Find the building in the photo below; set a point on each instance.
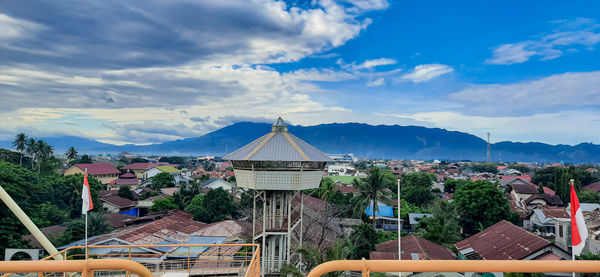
(543, 220)
(413, 248)
(341, 170)
(105, 173)
(278, 166)
(413, 220)
(521, 192)
(127, 179)
(505, 241)
(214, 183)
(116, 204)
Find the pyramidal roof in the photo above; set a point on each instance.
(278, 145)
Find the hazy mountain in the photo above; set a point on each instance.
(382, 141)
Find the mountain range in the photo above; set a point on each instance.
(381, 142)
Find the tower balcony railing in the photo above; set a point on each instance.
(463, 266)
(157, 259)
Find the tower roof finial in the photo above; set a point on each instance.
(279, 126)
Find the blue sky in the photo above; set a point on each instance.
(153, 71)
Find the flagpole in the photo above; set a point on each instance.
(86, 229)
(399, 229)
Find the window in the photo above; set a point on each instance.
(560, 231)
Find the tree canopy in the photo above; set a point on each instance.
(216, 205)
(162, 180)
(480, 205)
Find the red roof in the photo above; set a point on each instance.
(411, 244)
(179, 221)
(500, 167)
(524, 177)
(118, 201)
(128, 182)
(345, 189)
(145, 166)
(595, 186)
(119, 220)
(98, 169)
(503, 241)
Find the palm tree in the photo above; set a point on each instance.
(372, 190)
(71, 153)
(43, 152)
(31, 149)
(326, 189)
(20, 144)
(313, 257)
(97, 224)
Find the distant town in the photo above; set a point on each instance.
(448, 209)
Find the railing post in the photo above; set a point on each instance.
(188, 260)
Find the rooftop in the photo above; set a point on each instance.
(98, 169)
(278, 145)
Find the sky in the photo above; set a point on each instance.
(152, 71)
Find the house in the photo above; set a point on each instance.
(537, 200)
(509, 172)
(105, 173)
(148, 174)
(116, 204)
(413, 220)
(127, 179)
(542, 220)
(50, 232)
(139, 168)
(595, 187)
(214, 183)
(385, 219)
(522, 191)
(341, 170)
(413, 248)
(505, 241)
(347, 189)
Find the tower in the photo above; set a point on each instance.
(488, 148)
(278, 166)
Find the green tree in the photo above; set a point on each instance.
(97, 224)
(67, 193)
(31, 149)
(162, 180)
(443, 227)
(450, 185)
(47, 214)
(71, 153)
(165, 204)
(540, 188)
(216, 205)
(372, 190)
(326, 189)
(315, 256)
(125, 192)
(138, 160)
(362, 241)
(484, 167)
(416, 188)
(480, 204)
(20, 143)
(586, 196)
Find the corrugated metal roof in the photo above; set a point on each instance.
(278, 145)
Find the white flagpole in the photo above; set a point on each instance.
(571, 182)
(86, 231)
(399, 229)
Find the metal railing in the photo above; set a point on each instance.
(194, 259)
(368, 266)
(86, 267)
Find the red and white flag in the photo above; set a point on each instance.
(579, 231)
(86, 196)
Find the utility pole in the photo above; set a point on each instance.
(399, 229)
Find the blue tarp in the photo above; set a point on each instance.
(132, 212)
(382, 211)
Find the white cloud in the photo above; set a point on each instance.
(579, 32)
(14, 28)
(554, 93)
(426, 72)
(376, 82)
(377, 62)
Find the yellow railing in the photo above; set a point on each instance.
(86, 267)
(367, 266)
(191, 258)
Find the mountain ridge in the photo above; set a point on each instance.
(364, 140)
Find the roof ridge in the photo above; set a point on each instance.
(247, 145)
(261, 145)
(296, 147)
(309, 145)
